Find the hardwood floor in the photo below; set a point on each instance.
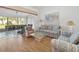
(13, 42)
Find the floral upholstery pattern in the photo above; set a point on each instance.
(63, 46)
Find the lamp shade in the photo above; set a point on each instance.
(70, 23)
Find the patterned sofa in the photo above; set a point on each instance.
(50, 30)
(64, 44)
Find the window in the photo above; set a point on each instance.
(11, 21)
(2, 25)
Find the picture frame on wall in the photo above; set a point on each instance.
(52, 18)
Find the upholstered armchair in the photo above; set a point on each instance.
(29, 30)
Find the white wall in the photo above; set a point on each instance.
(33, 20)
(66, 13)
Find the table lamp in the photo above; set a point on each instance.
(71, 24)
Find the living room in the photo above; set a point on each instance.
(64, 21)
(39, 28)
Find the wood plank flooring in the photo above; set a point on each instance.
(12, 42)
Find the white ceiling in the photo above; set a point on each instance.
(7, 12)
(38, 7)
(31, 7)
(35, 8)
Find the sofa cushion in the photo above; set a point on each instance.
(74, 37)
(67, 34)
(63, 38)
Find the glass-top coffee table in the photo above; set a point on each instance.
(38, 35)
